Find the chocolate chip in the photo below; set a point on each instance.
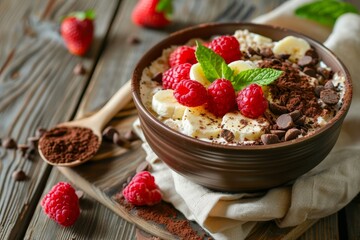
(79, 69)
(284, 121)
(227, 135)
(131, 136)
(329, 85)
(23, 148)
(295, 115)
(0, 142)
(9, 143)
(29, 156)
(121, 141)
(318, 89)
(133, 40)
(324, 72)
(305, 61)
(109, 133)
(33, 142)
(277, 109)
(269, 139)
(40, 132)
(157, 78)
(284, 56)
(19, 175)
(310, 72)
(300, 121)
(329, 97)
(143, 166)
(279, 133)
(79, 194)
(252, 51)
(292, 134)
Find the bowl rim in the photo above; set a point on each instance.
(138, 70)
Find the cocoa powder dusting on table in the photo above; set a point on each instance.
(164, 214)
(68, 144)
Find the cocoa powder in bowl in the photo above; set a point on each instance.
(68, 144)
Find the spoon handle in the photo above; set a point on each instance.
(113, 106)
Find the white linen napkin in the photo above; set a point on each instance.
(322, 191)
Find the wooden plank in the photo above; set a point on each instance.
(352, 219)
(37, 88)
(95, 221)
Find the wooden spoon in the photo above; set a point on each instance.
(96, 122)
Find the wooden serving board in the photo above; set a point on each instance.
(104, 178)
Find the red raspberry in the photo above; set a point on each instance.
(174, 75)
(221, 98)
(62, 204)
(182, 54)
(251, 101)
(142, 190)
(227, 47)
(190, 93)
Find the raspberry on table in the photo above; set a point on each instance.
(61, 204)
(182, 54)
(142, 190)
(174, 75)
(221, 97)
(251, 101)
(190, 93)
(227, 47)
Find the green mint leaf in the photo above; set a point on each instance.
(89, 14)
(260, 76)
(325, 12)
(165, 6)
(213, 65)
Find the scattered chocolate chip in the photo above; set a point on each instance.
(23, 148)
(292, 134)
(269, 139)
(279, 133)
(79, 69)
(277, 109)
(33, 142)
(131, 136)
(329, 85)
(109, 133)
(79, 194)
(121, 141)
(40, 132)
(295, 115)
(133, 40)
(284, 121)
(318, 89)
(324, 72)
(329, 96)
(0, 142)
(227, 135)
(312, 53)
(252, 51)
(143, 166)
(19, 175)
(284, 56)
(300, 121)
(157, 78)
(9, 143)
(310, 72)
(305, 61)
(29, 156)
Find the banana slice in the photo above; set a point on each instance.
(260, 39)
(240, 65)
(165, 104)
(197, 122)
(294, 46)
(197, 74)
(243, 128)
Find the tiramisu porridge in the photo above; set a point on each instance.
(244, 89)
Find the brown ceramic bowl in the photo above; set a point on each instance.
(237, 168)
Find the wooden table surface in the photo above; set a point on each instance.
(39, 89)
